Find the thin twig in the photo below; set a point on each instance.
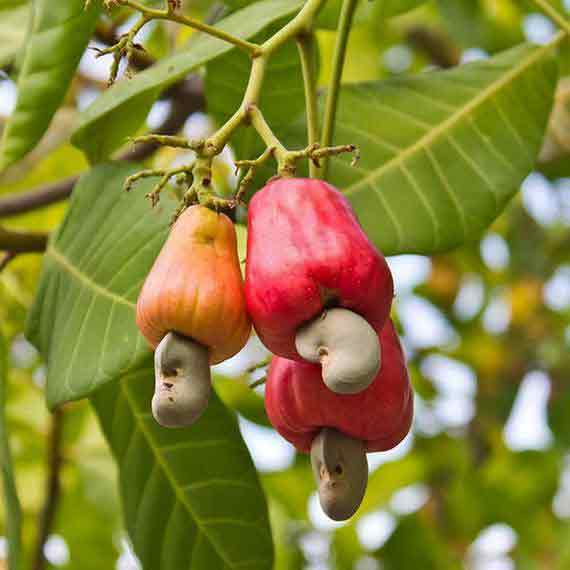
(13, 205)
(53, 487)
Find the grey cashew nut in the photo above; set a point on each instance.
(340, 469)
(182, 381)
(347, 347)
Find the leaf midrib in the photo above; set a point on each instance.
(462, 113)
(179, 493)
(84, 279)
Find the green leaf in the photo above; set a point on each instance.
(11, 501)
(443, 152)
(60, 32)
(390, 477)
(389, 8)
(82, 321)
(12, 3)
(119, 111)
(12, 32)
(236, 394)
(416, 544)
(481, 24)
(83, 317)
(330, 12)
(292, 488)
(288, 552)
(191, 497)
(346, 547)
(239, 3)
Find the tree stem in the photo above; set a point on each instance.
(22, 242)
(301, 24)
(53, 488)
(345, 24)
(306, 47)
(269, 138)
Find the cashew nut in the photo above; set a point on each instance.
(182, 381)
(340, 469)
(347, 347)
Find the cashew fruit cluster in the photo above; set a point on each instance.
(319, 295)
(192, 311)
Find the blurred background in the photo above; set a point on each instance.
(483, 480)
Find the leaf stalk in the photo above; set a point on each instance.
(344, 27)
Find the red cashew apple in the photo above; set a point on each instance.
(307, 254)
(338, 429)
(192, 310)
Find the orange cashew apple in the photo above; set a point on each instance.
(192, 311)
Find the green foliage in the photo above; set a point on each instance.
(389, 8)
(292, 488)
(443, 153)
(59, 35)
(82, 267)
(476, 23)
(12, 33)
(236, 394)
(414, 545)
(122, 109)
(427, 132)
(96, 261)
(329, 14)
(191, 497)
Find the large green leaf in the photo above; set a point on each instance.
(390, 477)
(415, 544)
(292, 488)
(481, 24)
(288, 552)
(444, 152)
(346, 547)
(388, 8)
(60, 32)
(202, 480)
(119, 111)
(233, 4)
(11, 501)
(12, 32)
(83, 318)
(191, 497)
(329, 15)
(236, 394)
